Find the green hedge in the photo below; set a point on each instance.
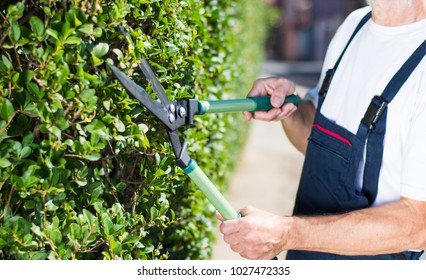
(85, 171)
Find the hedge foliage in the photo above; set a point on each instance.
(85, 171)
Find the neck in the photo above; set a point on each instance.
(398, 12)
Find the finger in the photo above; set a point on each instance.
(270, 115)
(258, 88)
(232, 239)
(286, 111)
(229, 227)
(237, 248)
(278, 89)
(247, 115)
(219, 217)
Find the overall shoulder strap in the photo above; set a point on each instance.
(379, 103)
(404, 73)
(358, 28)
(330, 73)
(373, 125)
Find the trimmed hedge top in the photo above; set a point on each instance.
(85, 171)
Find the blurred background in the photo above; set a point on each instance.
(300, 33)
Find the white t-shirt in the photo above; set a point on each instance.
(374, 56)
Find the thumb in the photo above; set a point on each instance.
(277, 101)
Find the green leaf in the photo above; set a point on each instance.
(39, 256)
(86, 28)
(25, 152)
(130, 239)
(50, 206)
(89, 216)
(92, 156)
(96, 189)
(28, 139)
(121, 186)
(73, 40)
(37, 26)
(3, 243)
(159, 173)
(6, 62)
(63, 73)
(31, 180)
(15, 31)
(94, 139)
(119, 125)
(4, 163)
(117, 228)
(37, 231)
(53, 33)
(55, 131)
(98, 207)
(88, 95)
(154, 213)
(56, 236)
(97, 32)
(96, 61)
(7, 110)
(75, 231)
(100, 50)
(34, 90)
(108, 225)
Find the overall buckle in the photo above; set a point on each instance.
(326, 82)
(374, 111)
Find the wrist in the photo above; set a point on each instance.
(291, 233)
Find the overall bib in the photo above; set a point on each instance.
(333, 156)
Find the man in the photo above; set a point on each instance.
(362, 193)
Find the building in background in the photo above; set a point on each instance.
(305, 27)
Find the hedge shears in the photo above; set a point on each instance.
(180, 113)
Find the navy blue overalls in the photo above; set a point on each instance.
(333, 156)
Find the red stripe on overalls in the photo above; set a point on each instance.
(332, 134)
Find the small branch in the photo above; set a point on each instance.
(9, 198)
(8, 122)
(134, 202)
(132, 182)
(52, 246)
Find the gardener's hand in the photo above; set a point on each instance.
(278, 89)
(257, 235)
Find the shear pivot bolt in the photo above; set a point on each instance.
(182, 112)
(172, 118)
(172, 108)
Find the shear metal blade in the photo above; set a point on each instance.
(140, 94)
(149, 74)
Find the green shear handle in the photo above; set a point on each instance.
(251, 104)
(210, 191)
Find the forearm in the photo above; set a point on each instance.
(390, 228)
(298, 126)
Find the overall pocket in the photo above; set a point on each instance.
(330, 156)
(326, 186)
